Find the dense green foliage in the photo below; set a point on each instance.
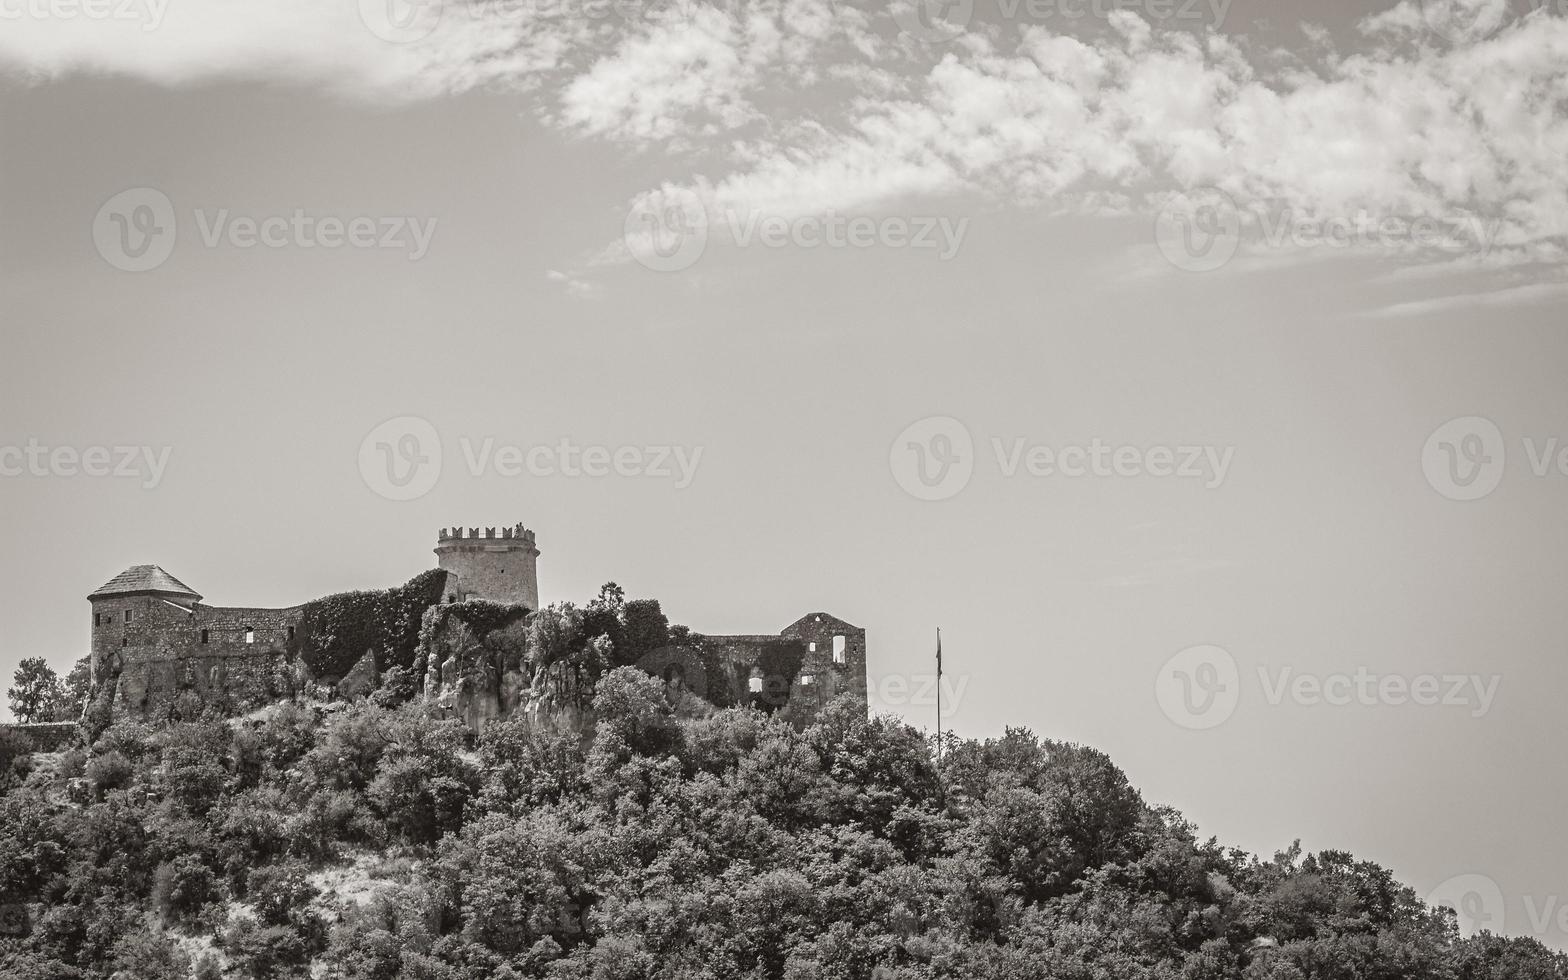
(655, 846)
(335, 632)
(483, 621)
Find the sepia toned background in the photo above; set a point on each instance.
(1061, 152)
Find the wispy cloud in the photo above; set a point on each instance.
(1537, 292)
(797, 107)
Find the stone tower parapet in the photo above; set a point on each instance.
(498, 564)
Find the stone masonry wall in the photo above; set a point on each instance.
(229, 656)
(835, 662)
(831, 654)
(47, 736)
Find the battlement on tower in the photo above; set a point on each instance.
(457, 535)
(498, 564)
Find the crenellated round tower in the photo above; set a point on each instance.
(498, 566)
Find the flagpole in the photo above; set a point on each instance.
(939, 694)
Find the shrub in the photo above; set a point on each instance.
(111, 770)
(266, 952)
(181, 888)
(147, 955)
(281, 893)
(72, 764)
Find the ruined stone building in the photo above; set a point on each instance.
(155, 642)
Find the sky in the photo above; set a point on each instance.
(1196, 368)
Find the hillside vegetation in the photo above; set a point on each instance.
(375, 841)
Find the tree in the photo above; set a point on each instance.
(36, 691)
(602, 617)
(74, 691)
(555, 633)
(646, 630)
(611, 595)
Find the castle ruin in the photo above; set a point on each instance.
(158, 644)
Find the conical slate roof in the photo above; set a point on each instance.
(145, 578)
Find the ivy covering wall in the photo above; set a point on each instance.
(337, 630)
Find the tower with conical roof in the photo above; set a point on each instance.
(128, 605)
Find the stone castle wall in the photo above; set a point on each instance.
(835, 662)
(831, 655)
(234, 656)
(46, 736)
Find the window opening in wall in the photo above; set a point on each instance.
(250, 635)
(839, 644)
(204, 637)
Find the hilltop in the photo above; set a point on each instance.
(375, 841)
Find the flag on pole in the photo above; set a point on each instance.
(939, 695)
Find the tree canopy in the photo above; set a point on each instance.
(376, 842)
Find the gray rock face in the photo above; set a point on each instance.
(478, 679)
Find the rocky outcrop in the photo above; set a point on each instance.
(476, 664)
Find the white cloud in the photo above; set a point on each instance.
(802, 106)
(680, 75)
